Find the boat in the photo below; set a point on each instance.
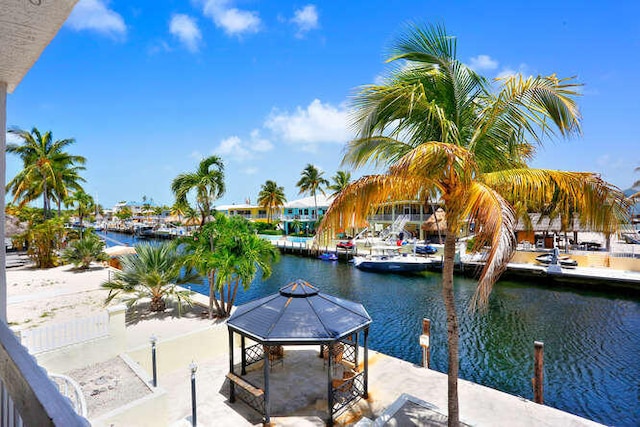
(564, 261)
(328, 256)
(392, 263)
(425, 250)
(144, 231)
(345, 245)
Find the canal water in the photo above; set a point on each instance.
(591, 339)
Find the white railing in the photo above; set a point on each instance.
(9, 416)
(62, 334)
(70, 389)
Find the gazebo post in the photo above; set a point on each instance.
(243, 355)
(356, 350)
(267, 401)
(329, 387)
(366, 363)
(232, 394)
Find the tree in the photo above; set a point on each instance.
(207, 182)
(636, 185)
(124, 213)
(43, 239)
(311, 181)
(84, 204)
(296, 224)
(271, 197)
(438, 126)
(229, 254)
(340, 181)
(47, 171)
(81, 253)
(155, 272)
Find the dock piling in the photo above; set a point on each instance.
(538, 372)
(424, 342)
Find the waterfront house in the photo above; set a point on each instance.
(251, 212)
(303, 211)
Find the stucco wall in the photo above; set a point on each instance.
(595, 259)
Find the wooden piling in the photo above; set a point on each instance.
(424, 341)
(538, 372)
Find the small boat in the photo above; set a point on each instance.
(144, 232)
(425, 250)
(395, 263)
(328, 256)
(345, 245)
(564, 261)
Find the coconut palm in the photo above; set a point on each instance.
(81, 253)
(438, 126)
(207, 182)
(340, 181)
(271, 197)
(47, 169)
(83, 202)
(155, 272)
(229, 254)
(311, 181)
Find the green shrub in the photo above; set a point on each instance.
(81, 253)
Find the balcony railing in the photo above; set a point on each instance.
(27, 395)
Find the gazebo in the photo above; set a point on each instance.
(300, 315)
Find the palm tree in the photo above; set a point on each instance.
(84, 204)
(636, 185)
(471, 146)
(271, 197)
(229, 254)
(340, 181)
(155, 272)
(81, 253)
(47, 169)
(208, 183)
(311, 181)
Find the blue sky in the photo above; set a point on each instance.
(149, 88)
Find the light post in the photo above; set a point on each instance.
(153, 339)
(193, 368)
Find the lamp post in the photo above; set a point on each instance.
(193, 368)
(153, 339)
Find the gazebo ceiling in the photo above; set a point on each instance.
(299, 314)
(26, 28)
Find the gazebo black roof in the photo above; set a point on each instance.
(299, 314)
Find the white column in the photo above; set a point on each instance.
(3, 172)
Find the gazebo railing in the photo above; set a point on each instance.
(346, 392)
(254, 354)
(350, 353)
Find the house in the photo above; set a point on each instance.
(302, 212)
(251, 212)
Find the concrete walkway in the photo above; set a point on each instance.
(389, 378)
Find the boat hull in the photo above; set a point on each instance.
(391, 265)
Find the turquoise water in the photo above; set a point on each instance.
(592, 339)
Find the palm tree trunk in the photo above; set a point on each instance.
(232, 297)
(212, 296)
(452, 323)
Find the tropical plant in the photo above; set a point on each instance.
(636, 185)
(296, 224)
(230, 254)
(84, 204)
(340, 181)
(439, 126)
(81, 253)
(207, 182)
(48, 170)
(311, 181)
(42, 240)
(155, 272)
(124, 213)
(271, 197)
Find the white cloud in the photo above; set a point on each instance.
(186, 30)
(95, 15)
(508, 71)
(12, 138)
(197, 155)
(483, 62)
(318, 123)
(250, 171)
(232, 20)
(232, 148)
(306, 19)
(258, 143)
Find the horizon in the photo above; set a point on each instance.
(149, 89)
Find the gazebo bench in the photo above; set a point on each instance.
(246, 385)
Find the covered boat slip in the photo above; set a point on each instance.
(299, 315)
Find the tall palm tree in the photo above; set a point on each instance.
(155, 272)
(207, 182)
(83, 202)
(271, 197)
(47, 169)
(311, 181)
(438, 126)
(340, 181)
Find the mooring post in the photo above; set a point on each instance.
(424, 342)
(538, 372)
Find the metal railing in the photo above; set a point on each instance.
(27, 395)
